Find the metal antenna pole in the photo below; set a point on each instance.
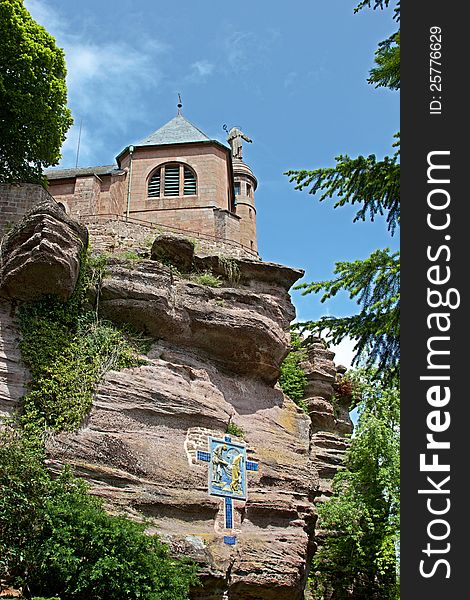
(78, 145)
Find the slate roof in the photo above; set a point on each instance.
(177, 131)
(82, 171)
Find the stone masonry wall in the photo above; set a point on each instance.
(208, 161)
(16, 200)
(113, 235)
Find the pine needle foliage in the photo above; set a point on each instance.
(374, 283)
(374, 187)
(387, 58)
(372, 184)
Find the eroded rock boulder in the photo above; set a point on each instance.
(41, 254)
(328, 407)
(173, 250)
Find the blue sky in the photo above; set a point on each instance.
(291, 75)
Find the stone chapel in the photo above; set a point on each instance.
(176, 178)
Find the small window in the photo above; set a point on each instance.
(248, 189)
(189, 182)
(236, 185)
(250, 213)
(154, 185)
(172, 180)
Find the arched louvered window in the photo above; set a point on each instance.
(172, 179)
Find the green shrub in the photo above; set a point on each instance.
(56, 539)
(233, 429)
(358, 557)
(292, 378)
(97, 265)
(207, 278)
(24, 484)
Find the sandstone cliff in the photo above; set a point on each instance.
(214, 361)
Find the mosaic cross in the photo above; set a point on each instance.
(228, 466)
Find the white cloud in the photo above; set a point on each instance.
(344, 352)
(246, 50)
(239, 50)
(106, 80)
(201, 69)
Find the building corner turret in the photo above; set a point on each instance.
(245, 184)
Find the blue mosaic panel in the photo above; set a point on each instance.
(205, 456)
(227, 469)
(231, 540)
(251, 466)
(228, 513)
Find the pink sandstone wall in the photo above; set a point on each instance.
(247, 212)
(16, 200)
(113, 195)
(207, 160)
(206, 212)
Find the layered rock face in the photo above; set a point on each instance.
(214, 362)
(41, 254)
(13, 374)
(328, 409)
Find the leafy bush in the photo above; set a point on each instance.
(34, 117)
(68, 350)
(292, 378)
(233, 429)
(358, 558)
(56, 539)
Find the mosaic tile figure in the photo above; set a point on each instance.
(227, 472)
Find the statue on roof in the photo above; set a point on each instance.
(235, 137)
